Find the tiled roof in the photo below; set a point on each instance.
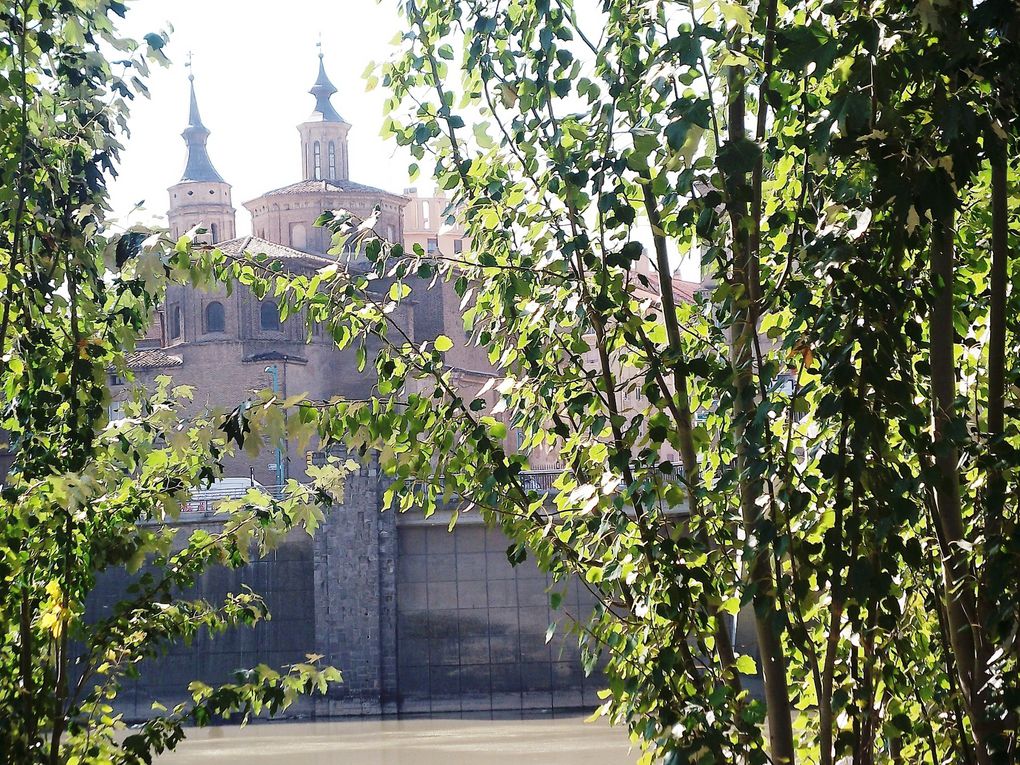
(684, 291)
(152, 358)
(254, 245)
(323, 185)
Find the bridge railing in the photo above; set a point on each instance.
(205, 501)
(542, 480)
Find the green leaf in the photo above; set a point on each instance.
(746, 666)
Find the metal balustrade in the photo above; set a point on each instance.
(203, 503)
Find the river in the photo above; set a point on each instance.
(560, 741)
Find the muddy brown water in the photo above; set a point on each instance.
(561, 741)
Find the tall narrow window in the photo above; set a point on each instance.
(214, 231)
(269, 316)
(331, 156)
(175, 322)
(458, 246)
(433, 246)
(215, 320)
(317, 160)
(426, 215)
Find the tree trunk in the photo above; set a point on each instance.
(770, 646)
(997, 331)
(960, 604)
(995, 495)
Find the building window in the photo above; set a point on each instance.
(317, 160)
(458, 246)
(116, 379)
(433, 247)
(391, 233)
(426, 215)
(175, 322)
(331, 156)
(298, 236)
(215, 319)
(269, 316)
(214, 231)
(117, 411)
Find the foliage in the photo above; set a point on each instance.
(86, 494)
(847, 175)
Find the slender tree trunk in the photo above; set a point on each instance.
(960, 604)
(995, 496)
(869, 713)
(826, 722)
(767, 617)
(27, 667)
(997, 333)
(684, 419)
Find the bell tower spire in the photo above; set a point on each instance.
(324, 133)
(201, 197)
(199, 166)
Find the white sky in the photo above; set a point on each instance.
(254, 61)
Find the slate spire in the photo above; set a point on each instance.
(199, 167)
(322, 90)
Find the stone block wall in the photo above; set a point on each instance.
(355, 600)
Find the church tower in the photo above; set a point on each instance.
(324, 135)
(201, 197)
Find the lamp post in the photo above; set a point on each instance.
(274, 372)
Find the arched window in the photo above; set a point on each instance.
(331, 155)
(269, 316)
(215, 320)
(317, 160)
(214, 230)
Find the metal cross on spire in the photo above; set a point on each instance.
(187, 65)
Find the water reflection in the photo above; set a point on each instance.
(563, 741)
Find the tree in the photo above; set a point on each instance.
(85, 494)
(847, 174)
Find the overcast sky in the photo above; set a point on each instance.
(254, 61)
